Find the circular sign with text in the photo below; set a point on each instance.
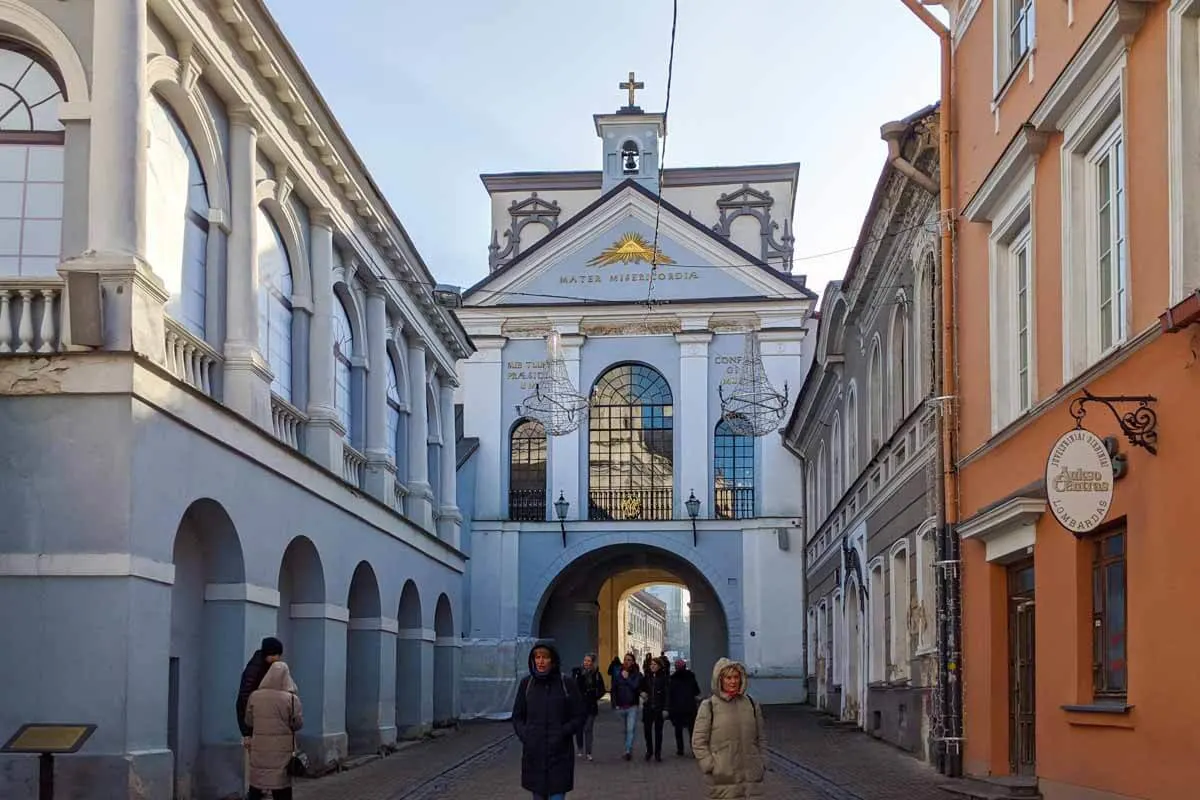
(1079, 481)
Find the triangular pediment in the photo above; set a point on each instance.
(604, 255)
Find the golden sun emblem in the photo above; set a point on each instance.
(630, 249)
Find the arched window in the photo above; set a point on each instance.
(901, 600)
(835, 462)
(733, 473)
(393, 412)
(810, 494)
(176, 216)
(631, 445)
(631, 156)
(875, 397)
(527, 471)
(275, 304)
(822, 484)
(877, 664)
(851, 435)
(898, 364)
(343, 351)
(31, 163)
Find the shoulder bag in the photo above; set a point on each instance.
(297, 765)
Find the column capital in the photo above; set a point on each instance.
(449, 384)
(415, 341)
(244, 116)
(321, 217)
(694, 337)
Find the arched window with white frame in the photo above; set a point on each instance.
(837, 617)
(343, 365)
(836, 477)
(901, 597)
(275, 304)
(877, 665)
(852, 423)
(822, 484)
(810, 494)
(31, 164)
(393, 412)
(812, 642)
(927, 586)
(176, 216)
(898, 377)
(875, 398)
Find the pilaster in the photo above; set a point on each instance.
(247, 376)
(693, 422)
(483, 376)
(564, 450)
(449, 517)
(780, 475)
(420, 493)
(378, 478)
(323, 435)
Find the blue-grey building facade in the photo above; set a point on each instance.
(226, 403)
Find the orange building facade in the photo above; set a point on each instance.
(1077, 193)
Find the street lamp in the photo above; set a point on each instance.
(693, 508)
(561, 507)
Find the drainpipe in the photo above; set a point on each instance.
(893, 133)
(949, 663)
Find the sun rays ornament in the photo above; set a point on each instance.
(754, 407)
(631, 248)
(555, 402)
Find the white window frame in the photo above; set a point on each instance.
(877, 660)
(1005, 65)
(1096, 120)
(837, 660)
(836, 450)
(1110, 148)
(900, 586)
(927, 587)
(1183, 129)
(851, 434)
(1012, 232)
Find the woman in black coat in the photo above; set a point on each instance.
(547, 714)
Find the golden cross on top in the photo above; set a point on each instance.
(632, 85)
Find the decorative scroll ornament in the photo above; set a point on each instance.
(555, 403)
(754, 407)
(1140, 425)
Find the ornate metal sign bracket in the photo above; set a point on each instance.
(1140, 425)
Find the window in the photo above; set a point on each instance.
(527, 472)
(898, 362)
(877, 668)
(630, 158)
(393, 412)
(836, 618)
(851, 435)
(836, 477)
(875, 397)
(733, 473)
(901, 598)
(177, 216)
(31, 163)
(927, 575)
(1020, 30)
(822, 484)
(1109, 629)
(275, 305)
(343, 351)
(812, 642)
(1108, 175)
(631, 445)
(1021, 259)
(1015, 39)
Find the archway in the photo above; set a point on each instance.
(364, 662)
(852, 696)
(410, 665)
(445, 666)
(301, 623)
(570, 610)
(208, 634)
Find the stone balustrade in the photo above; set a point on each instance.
(190, 358)
(30, 315)
(399, 493)
(353, 465)
(287, 420)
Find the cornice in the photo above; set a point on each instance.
(1003, 518)
(672, 178)
(1018, 158)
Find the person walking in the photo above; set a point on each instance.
(546, 715)
(683, 697)
(270, 651)
(614, 668)
(273, 715)
(591, 688)
(654, 692)
(729, 742)
(625, 688)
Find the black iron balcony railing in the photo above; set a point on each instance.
(631, 504)
(527, 505)
(733, 502)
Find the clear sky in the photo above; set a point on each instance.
(434, 93)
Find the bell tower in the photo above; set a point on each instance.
(631, 139)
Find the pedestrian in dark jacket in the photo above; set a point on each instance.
(654, 694)
(683, 698)
(547, 714)
(270, 651)
(591, 688)
(625, 687)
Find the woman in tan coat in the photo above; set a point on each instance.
(274, 714)
(728, 739)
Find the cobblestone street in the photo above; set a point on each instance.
(809, 761)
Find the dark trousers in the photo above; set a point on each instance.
(682, 723)
(652, 724)
(276, 794)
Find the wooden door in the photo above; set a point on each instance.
(1022, 703)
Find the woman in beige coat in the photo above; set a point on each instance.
(728, 739)
(274, 714)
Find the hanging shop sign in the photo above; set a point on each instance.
(1079, 480)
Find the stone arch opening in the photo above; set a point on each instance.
(364, 662)
(301, 622)
(414, 714)
(207, 651)
(578, 610)
(445, 663)
(852, 696)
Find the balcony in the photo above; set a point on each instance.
(287, 421)
(30, 315)
(733, 502)
(527, 505)
(189, 358)
(631, 504)
(354, 464)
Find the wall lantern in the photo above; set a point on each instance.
(561, 507)
(693, 508)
